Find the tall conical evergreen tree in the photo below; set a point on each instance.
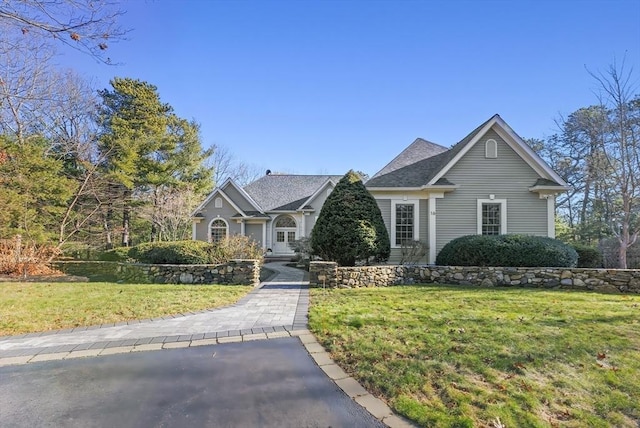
(350, 225)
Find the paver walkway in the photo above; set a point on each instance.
(277, 306)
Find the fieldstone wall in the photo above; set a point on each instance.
(236, 272)
(328, 274)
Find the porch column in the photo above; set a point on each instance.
(193, 231)
(242, 227)
(264, 235)
(432, 229)
(551, 216)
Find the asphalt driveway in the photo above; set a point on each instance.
(265, 383)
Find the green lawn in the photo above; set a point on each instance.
(31, 307)
(455, 356)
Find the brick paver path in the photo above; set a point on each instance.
(278, 305)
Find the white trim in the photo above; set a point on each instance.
(317, 192)
(210, 197)
(247, 196)
(491, 149)
(464, 150)
(551, 216)
(235, 207)
(218, 189)
(514, 141)
(532, 158)
(503, 214)
(416, 218)
(209, 227)
(431, 207)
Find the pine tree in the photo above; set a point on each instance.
(350, 225)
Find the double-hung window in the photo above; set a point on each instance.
(492, 216)
(404, 222)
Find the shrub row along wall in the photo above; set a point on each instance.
(328, 274)
(236, 272)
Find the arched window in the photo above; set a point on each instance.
(285, 221)
(491, 149)
(218, 230)
(218, 202)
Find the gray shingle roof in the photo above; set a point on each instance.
(286, 192)
(418, 166)
(546, 182)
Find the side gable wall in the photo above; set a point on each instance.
(210, 212)
(507, 177)
(238, 199)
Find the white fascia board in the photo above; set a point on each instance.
(440, 187)
(210, 197)
(392, 189)
(464, 151)
(235, 207)
(526, 152)
(315, 194)
(549, 189)
(247, 196)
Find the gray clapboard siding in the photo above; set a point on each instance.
(210, 212)
(254, 231)
(237, 198)
(507, 177)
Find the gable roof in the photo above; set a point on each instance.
(286, 192)
(219, 191)
(431, 170)
(418, 150)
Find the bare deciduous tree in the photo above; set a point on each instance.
(225, 165)
(621, 153)
(86, 25)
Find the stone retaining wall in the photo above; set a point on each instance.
(236, 272)
(328, 274)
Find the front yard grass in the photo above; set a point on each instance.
(27, 307)
(488, 357)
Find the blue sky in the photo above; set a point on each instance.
(314, 87)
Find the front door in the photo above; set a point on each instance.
(285, 232)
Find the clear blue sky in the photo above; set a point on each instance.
(314, 87)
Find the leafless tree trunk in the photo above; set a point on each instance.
(621, 153)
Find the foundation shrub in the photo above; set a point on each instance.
(507, 250)
(173, 253)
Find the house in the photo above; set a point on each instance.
(491, 182)
(274, 210)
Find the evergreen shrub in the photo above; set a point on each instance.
(120, 254)
(173, 253)
(507, 251)
(350, 227)
(588, 257)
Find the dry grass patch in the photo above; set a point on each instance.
(27, 307)
(455, 356)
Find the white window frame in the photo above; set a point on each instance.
(209, 237)
(416, 217)
(218, 202)
(491, 149)
(503, 214)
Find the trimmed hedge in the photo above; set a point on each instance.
(173, 253)
(120, 254)
(507, 251)
(588, 257)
